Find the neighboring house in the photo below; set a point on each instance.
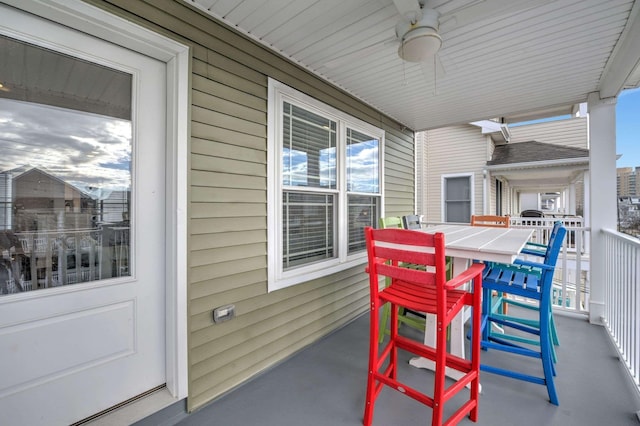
(61, 232)
(465, 170)
(33, 199)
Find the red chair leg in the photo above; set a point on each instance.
(441, 365)
(475, 347)
(393, 356)
(370, 397)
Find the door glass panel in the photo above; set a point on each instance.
(65, 169)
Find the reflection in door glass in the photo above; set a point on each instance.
(65, 169)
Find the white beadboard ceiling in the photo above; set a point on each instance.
(541, 59)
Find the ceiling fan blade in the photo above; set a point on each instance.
(484, 9)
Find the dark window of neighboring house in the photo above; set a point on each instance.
(457, 199)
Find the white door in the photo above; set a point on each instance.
(82, 216)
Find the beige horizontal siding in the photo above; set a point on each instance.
(204, 210)
(399, 176)
(450, 150)
(227, 203)
(570, 132)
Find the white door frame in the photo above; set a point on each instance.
(99, 23)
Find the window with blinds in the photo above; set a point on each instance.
(457, 199)
(308, 163)
(362, 166)
(326, 167)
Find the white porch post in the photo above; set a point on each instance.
(603, 198)
(586, 205)
(571, 205)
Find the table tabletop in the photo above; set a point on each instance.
(481, 242)
(465, 243)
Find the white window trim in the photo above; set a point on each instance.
(443, 179)
(277, 278)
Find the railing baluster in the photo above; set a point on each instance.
(571, 288)
(65, 250)
(634, 329)
(622, 298)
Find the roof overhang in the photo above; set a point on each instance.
(541, 175)
(499, 132)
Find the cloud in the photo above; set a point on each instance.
(362, 167)
(86, 150)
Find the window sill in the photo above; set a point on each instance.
(312, 272)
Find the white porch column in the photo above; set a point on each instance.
(603, 197)
(571, 205)
(586, 205)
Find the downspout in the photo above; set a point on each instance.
(485, 191)
(486, 195)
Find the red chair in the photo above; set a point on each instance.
(423, 291)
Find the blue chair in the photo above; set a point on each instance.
(539, 250)
(493, 221)
(534, 281)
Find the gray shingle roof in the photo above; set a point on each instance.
(533, 151)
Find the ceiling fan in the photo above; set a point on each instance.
(418, 31)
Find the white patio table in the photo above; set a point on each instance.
(465, 244)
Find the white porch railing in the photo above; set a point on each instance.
(45, 259)
(49, 253)
(622, 298)
(622, 286)
(571, 281)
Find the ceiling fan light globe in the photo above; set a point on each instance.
(419, 44)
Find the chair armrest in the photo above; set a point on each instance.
(533, 264)
(529, 243)
(465, 276)
(533, 252)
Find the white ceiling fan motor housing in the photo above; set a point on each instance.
(419, 40)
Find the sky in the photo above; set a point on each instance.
(361, 164)
(628, 128)
(90, 151)
(95, 152)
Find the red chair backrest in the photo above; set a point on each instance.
(388, 249)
